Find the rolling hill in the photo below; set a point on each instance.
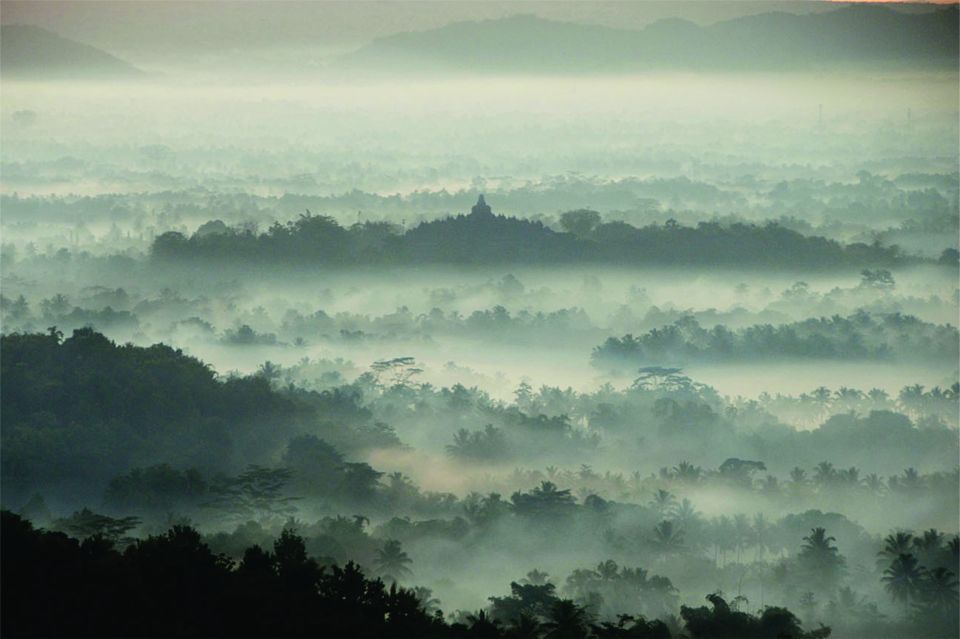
(853, 36)
(29, 52)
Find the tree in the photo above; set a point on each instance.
(424, 595)
(316, 465)
(660, 378)
(687, 472)
(480, 624)
(85, 524)
(667, 537)
(566, 620)
(896, 544)
(536, 578)
(879, 278)
(545, 501)
(358, 482)
(580, 222)
(395, 372)
(820, 559)
(392, 562)
(663, 502)
(740, 471)
(904, 579)
(721, 622)
(159, 488)
(256, 493)
(534, 600)
(939, 589)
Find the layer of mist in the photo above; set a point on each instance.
(480, 319)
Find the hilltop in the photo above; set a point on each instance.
(29, 52)
(877, 37)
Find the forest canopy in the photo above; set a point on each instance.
(485, 238)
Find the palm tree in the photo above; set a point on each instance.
(580, 581)
(912, 399)
(427, 601)
(723, 535)
(929, 542)
(849, 477)
(894, 545)
(939, 589)
(798, 482)
(392, 561)
(798, 475)
(879, 397)
(566, 620)
(482, 625)
(761, 528)
(822, 396)
(820, 557)
(687, 472)
(874, 483)
(910, 481)
(524, 627)
(904, 579)
(825, 473)
(663, 502)
(667, 537)
(687, 516)
(848, 398)
(741, 526)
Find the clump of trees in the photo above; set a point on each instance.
(857, 337)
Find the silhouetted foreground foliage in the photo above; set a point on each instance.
(485, 238)
(174, 585)
(721, 621)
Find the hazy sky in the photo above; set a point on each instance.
(141, 32)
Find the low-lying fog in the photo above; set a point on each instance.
(744, 404)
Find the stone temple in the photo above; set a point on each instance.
(481, 209)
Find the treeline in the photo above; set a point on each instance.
(913, 199)
(859, 336)
(80, 411)
(174, 585)
(492, 239)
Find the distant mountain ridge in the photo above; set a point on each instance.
(30, 52)
(849, 36)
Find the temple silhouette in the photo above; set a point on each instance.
(481, 208)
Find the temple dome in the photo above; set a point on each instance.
(481, 208)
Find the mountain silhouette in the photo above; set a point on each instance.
(854, 36)
(29, 52)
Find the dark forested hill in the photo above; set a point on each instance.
(29, 52)
(485, 238)
(850, 36)
(79, 410)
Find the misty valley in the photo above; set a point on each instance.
(454, 322)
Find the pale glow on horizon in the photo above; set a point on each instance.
(943, 2)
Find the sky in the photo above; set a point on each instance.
(139, 31)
